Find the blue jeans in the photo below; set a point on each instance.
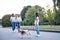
(37, 29)
(18, 25)
(13, 25)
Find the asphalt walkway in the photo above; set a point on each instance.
(8, 34)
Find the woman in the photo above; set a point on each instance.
(18, 22)
(37, 24)
(13, 21)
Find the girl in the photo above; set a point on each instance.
(37, 24)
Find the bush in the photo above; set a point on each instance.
(6, 20)
(0, 21)
(27, 22)
(44, 22)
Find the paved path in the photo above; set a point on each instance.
(7, 34)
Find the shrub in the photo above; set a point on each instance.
(6, 20)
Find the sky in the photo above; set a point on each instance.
(16, 6)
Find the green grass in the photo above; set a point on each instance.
(43, 27)
(49, 27)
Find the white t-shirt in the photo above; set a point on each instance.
(18, 19)
(37, 20)
(13, 19)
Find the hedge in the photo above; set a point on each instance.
(6, 20)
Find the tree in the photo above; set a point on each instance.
(55, 4)
(49, 15)
(30, 14)
(58, 3)
(24, 11)
(6, 20)
(57, 17)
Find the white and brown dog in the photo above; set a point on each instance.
(25, 32)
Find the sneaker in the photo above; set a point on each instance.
(13, 31)
(37, 35)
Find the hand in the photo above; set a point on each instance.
(34, 27)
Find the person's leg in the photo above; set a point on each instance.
(18, 24)
(37, 29)
(13, 26)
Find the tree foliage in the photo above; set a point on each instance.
(55, 4)
(30, 14)
(0, 21)
(58, 3)
(24, 11)
(49, 15)
(57, 18)
(6, 20)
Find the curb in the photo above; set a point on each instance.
(45, 30)
(50, 31)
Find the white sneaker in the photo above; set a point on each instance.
(38, 35)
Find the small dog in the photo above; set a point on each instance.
(23, 32)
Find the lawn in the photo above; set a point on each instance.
(44, 27)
